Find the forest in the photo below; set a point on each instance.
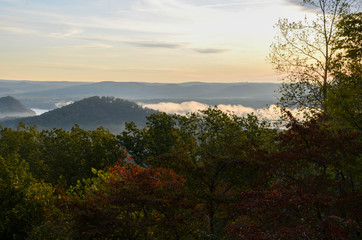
(210, 174)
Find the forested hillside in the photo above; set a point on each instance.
(89, 113)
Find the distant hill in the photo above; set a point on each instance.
(46, 95)
(135, 90)
(11, 107)
(90, 113)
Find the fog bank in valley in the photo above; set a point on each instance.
(271, 113)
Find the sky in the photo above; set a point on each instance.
(140, 40)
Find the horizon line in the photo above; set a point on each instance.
(59, 81)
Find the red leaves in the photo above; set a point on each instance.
(131, 203)
(311, 194)
(144, 180)
(284, 213)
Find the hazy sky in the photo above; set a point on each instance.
(140, 40)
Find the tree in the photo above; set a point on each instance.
(349, 29)
(25, 142)
(70, 155)
(129, 202)
(303, 54)
(211, 149)
(23, 200)
(58, 156)
(345, 96)
(314, 187)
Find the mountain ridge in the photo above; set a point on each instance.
(11, 107)
(46, 95)
(89, 113)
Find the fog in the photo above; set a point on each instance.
(39, 111)
(271, 113)
(63, 103)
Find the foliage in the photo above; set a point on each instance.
(210, 149)
(130, 202)
(206, 175)
(303, 54)
(349, 31)
(58, 156)
(345, 96)
(315, 187)
(22, 199)
(70, 156)
(24, 142)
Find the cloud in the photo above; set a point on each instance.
(105, 67)
(39, 111)
(295, 2)
(63, 104)
(154, 44)
(304, 6)
(146, 44)
(75, 66)
(210, 50)
(66, 34)
(19, 30)
(92, 46)
(179, 108)
(271, 113)
(233, 4)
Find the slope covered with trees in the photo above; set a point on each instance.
(90, 113)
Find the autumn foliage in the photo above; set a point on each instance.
(131, 202)
(314, 193)
(212, 176)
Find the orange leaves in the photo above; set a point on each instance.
(131, 201)
(146, 178)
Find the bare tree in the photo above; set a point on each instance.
(303, 52)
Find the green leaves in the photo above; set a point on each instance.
(211, 149)
(22, 199)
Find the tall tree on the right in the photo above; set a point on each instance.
(304, 53)
(345, 96)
